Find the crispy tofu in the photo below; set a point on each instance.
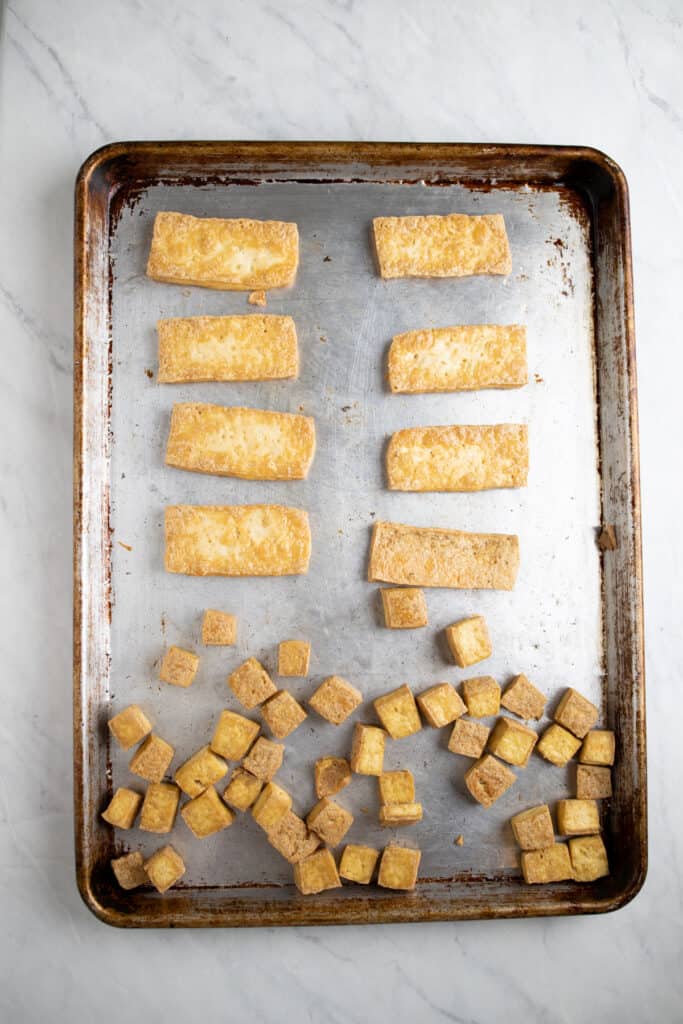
(123, 808)
(329, 821)
(200, 771)
(265, 758)
(430, 557)
(469, 641)
(130, 726)
(164, 868)
(441, 704)
(129, 870)
(551, 864)
(219, 628)
(397, 711)
(159, 807)
(229, 255)
(589, 858)
(152, 759)
(458, 458)
(251, 684)
(523, 699)
(237, 540)
(233, 736)
(468, 738)
(358, 864)
(578, 817)
(464, 358)
(242, 790)
(404, 607)
(598, 748)
(393, 815)
(206, 814)
(257, 298)
(488, 779)
(512, 742)
(593, 782)
(398, 868)
(316, 873)
(482, 696)
(576, 713)
(282, 714)
(533, 829)
(271, 805)
(397, 787)
(335, 699)
(293, 658)
(179, 667)
(557, 745)
(292, 838)
(367, 750)
(454, 245)
(332, 774)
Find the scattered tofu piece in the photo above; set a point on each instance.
(441, 704)
(152, 759)
(557, 745)
(488, 779)
(164, 868)
(468, 738)
(578, 818)
(130, 726)
(265, 758)
(282, 714)
(397, 711)
(206, 814)
(129, 870)
(451, 245)
(398, 867)
(404, 607)
(123, 808)
(512, 742)
(316, 873)
(358, 864)
(179, 667)
(589, 858)
(458, 458)
(551, 864)
(593, 782)
(533, 829)
(293, 658)
(576, 713)
(329, 821)
(598, 748)
(257, 298)
(460, 840)
(200, 771)
(397, 787)
(469, 641)
(332, 774)
(251, 684)
(607, 539)
(242, 790)
(233, 735)
(159, 807)
(523, 699)
(292, 838)
(271, 805)
(482, 696)
(392, 815)
(219, 628)
(367, 750)
(335, 699)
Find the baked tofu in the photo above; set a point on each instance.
(316, 873)
(179, 667)
(469, 641)
(219, 629)
(522, 698)
(458, 458)
(335, 699)
(164, 868)
(293, 658)
(358, 863)
(332, 774)
(123, 808)
(576, 713)
(292, 838)
(398, 868)
(200, 771)
(404, 607)
(512, 742)
(551, 864)
(152, 759)
(441, 704)
(589, 858)
(454, 245)
(367, 750)
(397, 711)
(488, 779)
(159, 807)
(130, 726)
(533, 828)
(129, 870)
(206, 814)
(282, 714)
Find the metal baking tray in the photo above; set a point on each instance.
(575, 616)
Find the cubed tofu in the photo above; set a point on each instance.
(557, 745)
(123, 808)
(200, 771)
(335, 699)
(292, 838)
(397, 787)
(441, 704)
(251, 684)
(468, 738)
(219, 628)
(316, 873)
(129, 870)
(164, 868)
(512, 742)
(598, 748)
(242, 790)
(576, 713)
(488, 779)
(358, 864)
(469, 641)
(332, 774)
(206, 814)
(533, 829)
(404, 607)
(159, 807)
(393, 815)
(482, 696)
(330, 821)
(282, 714)
(152, 759)
(593, 782)
(265, 758)
(578, 818)
(293, 658)
(589, 858)
(233, 735)
(398, 867)
(523, 699)
(130, 726)
(367, 750)
(551, 864)
(179, 667)
(397, 711)
(271, 805)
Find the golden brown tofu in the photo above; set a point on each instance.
(589, 858)
(451, 245)
(293, 658)
(533, 829)
(257, 299)
(164, 868)
(329, 821)
(282, 714)
(397, 711)
(482, 696)
(576, 713)
(206, 814)
(292, 838)
(397, 787)
(130, 726)
(393, 815)
(577, 817)
(242, 790)
(468, 738)
(593, 782)
(358, 864)
(200, 771)
(251, 684)
(179, 667)
(219, 628)
(512, 742)
(332, 774)
(458, 458)
(488, 779)
(316, 873)
(557, 745)
(159, 807)
(233, 736)
(129, 870)
(271, 805)
(152, 759)
(265, 758)
(398, 868)
(469, 641)
(441, 704)
(335, 699)
(598, 748)
(523, 699)
(404, 607)
(367, 750)
(123, 808)
(551, 864)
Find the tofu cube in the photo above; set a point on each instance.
(593, 782)
(469, 641)
(129, 870)
(242, 789)
(468, 738)
(551, 864)
(533, 829)
(292, 838)
(397, 711)
(329, 821)
(578, 817)
(233, 735)
(589, 858)
(316, 873)
(293, 658)
(398, 867)
(152, 759)
(523, 699)
(441, 704)
(219, 628)
(123, 808)
(482, 696)
(367, 750)
(335, 699)
(397, 787)
(358, 863)
(200, 771)
(512, 742)
(488, 779)
(271, 805)
(404, 607)
(179, 667)
(282, 714)
(130, 726)
(206, 814)
(332, 774)
(265, 758)
(164, 868)
(557, 745)
(392, 815)
(598, 748)
(251, 684)
(576, 713)
(159, 807)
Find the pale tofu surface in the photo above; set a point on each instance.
(462, 358)
(454, 245)
(458, 458)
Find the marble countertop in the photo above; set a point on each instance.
(77, 74)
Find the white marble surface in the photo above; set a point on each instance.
(78, 73)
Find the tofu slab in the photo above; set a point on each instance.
(458, 458)
(456, 245)
(431, 557)
(254, 444)
(231, 255)
(227, 348)
(237, 540)
(463, 358)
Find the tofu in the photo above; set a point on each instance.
(430, 557)
(397, 711)
(227, 348)
(329, 821)
(512, 742)
(233, 736)
(316, 873)
(398, 868)
(265, 758)
(578, 817)
(242, 790)
(293, 658)
(164, 868)
(282, 714)
(206, 814)
(557, 745)
(523, 699)
(129, 870)
(589, 858)
(393, 815)
(292, 838)
(159, 807)
(251, 684)
(358, 863)
(271, 805)
(488, 779)
(237, 540)
(229, 255)
(598, 748)
(367, 750)
(257, 299)
(200, 771)
(454, 245)
(335, 699)
(482, 696)
(130, 726)
(440, 705)
(219, 629)
(458, 458)
(463, 358)
(468, 738)
(397, 787)
(469, 641)
(576, 713)
(404, 607)
(123, 808)
(551, 864)
(251, 444)
(152, 759)
(332, 774)
(593, 782)
(533, 829)
(179, 667)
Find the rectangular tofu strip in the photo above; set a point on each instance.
(458, 458)
(254, 444)
(227, 348)
(463, 358)
(430, 557)
(231, 255)
(456, 245)
(237, 540)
